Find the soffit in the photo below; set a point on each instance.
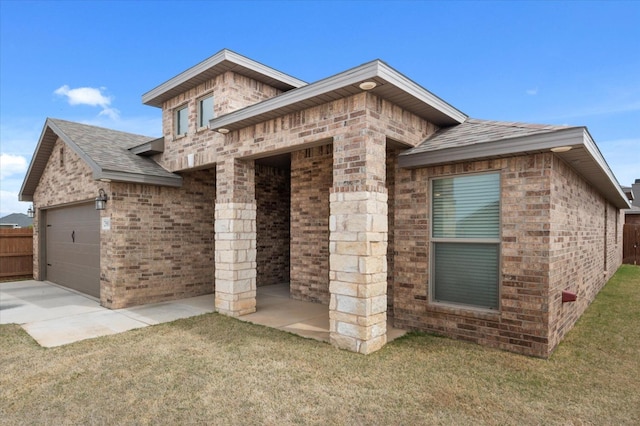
(584, 156)
(391, 85)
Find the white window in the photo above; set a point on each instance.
(465, 240)
(182, 120)
(205, 111)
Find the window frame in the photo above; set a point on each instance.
(202, 125)
(176, 120)
(497, 241)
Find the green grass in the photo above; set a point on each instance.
(216, 370)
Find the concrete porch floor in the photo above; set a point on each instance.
(276, 310)
(56, 316)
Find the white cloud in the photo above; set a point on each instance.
(532, 92)
(11, 165)
(9, 203)
(90, 96)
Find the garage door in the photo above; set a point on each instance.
(73, 248)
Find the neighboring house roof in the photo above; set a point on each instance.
(20, 219)
(482, 139)
(221, 62)
(106, 151)
(390, 85)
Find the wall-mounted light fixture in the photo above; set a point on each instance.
(101, 200)
(31, 212)
(223, 130)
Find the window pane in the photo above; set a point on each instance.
(466, 206)
(182, 121)
(206, 111)
(466, 274)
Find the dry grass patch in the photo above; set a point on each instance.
(216, 370)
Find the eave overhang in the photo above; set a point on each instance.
(150, 148)
(50, 134)
(221, 62)
(584, 157)
(390, 85)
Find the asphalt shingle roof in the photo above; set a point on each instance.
(19, 219)
(474, 131)
(109, 149)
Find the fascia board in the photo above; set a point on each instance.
(263, 69)
(118, 176)
(152, 147)
(505, 147)
(183, 77)
(59, 133)
(355, 75)
(39, 147)
(576, 137)
(412, 88)
(591, 147)
(95, 168)
(212, 61)
(371, 70)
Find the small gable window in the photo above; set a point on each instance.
(205, 111)
(182, 121)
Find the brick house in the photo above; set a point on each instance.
(364, 191)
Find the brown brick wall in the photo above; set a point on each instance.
(273, 200)
(231, 92)
(392, 164)
(553, 238)
(586, 247)
(161, 243)
(520, 325)
(311, 180)
(66, 179)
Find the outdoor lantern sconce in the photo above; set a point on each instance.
(101, 200)
(31, 212)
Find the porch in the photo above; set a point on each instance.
(55, 316)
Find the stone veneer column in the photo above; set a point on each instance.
(358, 243)
(235, 239)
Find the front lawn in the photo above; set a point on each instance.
(216, 370)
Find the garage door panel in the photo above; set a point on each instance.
(73, 248)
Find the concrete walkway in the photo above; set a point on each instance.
(56, 316)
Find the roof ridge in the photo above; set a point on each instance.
(518, 124)
(93, 126)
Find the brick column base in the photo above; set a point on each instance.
(358, 270)
(235, 258)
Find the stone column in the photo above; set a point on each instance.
(358, 242)
(235, 238)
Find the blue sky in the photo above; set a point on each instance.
(575, 63)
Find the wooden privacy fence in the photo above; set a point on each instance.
(16, 253)
(631, 244)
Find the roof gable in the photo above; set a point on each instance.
(105, 151)
(223, 61)
(390, 85)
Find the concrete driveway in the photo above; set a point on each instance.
(55, 316)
